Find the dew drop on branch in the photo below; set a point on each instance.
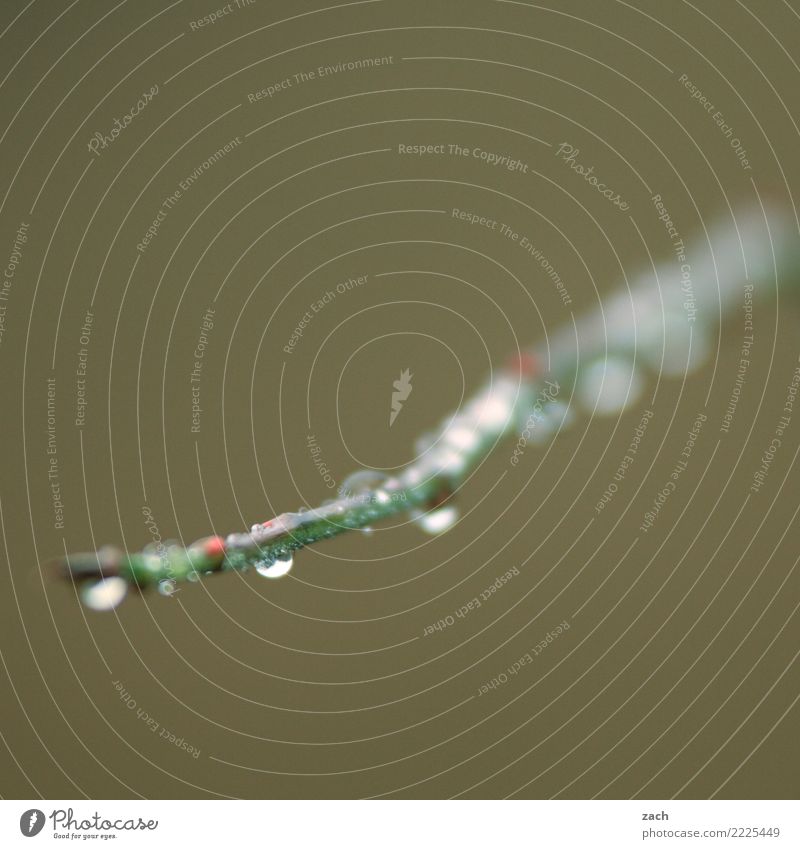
(361, 483)
(609, 386)
(277, 568)
(167, 587)
(104, 594)
(436, 521)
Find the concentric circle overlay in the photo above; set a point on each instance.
(260, 257)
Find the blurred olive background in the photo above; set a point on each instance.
(678, 674)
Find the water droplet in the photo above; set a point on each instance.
(539, 423)
(283, 524)
(104, 594)
(362, 483)
(558, 417)
(450, 462)
(367, 531)
(236, 540)
(411, 477)
(424, 443)
(561, 415)
(679, 348)
(494, 408)
(277, 568)
(461, 438)
(609, 386)
(436, 521)
(167, 587)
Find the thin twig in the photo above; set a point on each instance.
(664, 320)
